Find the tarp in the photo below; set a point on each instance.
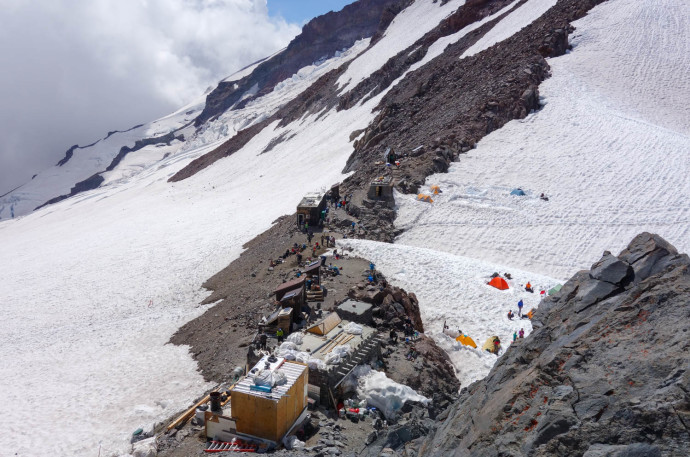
(499, 283)
(555, 289)
(425, 198)
(466, 340)
(489, 344)
(518, 192)
(325, 325)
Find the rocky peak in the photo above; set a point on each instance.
(605, 372)
(320, 37)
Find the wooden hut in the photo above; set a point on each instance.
(284, 288)
(269, 412)
(309, 209)
(313, 270)
(381, 189)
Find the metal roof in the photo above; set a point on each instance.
(382, 181)
(292, 371)
(312, 200)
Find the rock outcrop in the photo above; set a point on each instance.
(320, 37)
(604, 373)
(392, 305)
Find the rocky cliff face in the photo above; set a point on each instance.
(605, 372)
(322, 36)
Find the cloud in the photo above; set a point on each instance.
(73, 70)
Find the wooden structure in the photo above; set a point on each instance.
(381, 189)
(309, 209)
(325, 325)
(281, 318)
(314, 270)
(270, 412)
(288, 286)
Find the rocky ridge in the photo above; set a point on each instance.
(320, 37)
(604, 373)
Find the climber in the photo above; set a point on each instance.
(262, 340)
(497, 345)
(279, 335)
(514, 336)
(520, 305)
(510, 315)
(528, 287)
(522, 333)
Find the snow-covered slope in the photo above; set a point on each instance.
(88, 160)
(94, 286)
(612, 165)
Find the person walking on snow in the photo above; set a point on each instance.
(522, 333)
(514, 336)
(520, 305)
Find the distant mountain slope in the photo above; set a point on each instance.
(85, 168)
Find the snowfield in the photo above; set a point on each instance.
(612, 166)
(454, 290)
(93, 287)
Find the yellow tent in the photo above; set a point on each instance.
(490, 346)
(425, 198)
(435, 189)
(466, 340)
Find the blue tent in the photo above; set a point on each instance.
(518, 192)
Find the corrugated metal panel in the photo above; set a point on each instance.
(292, 372)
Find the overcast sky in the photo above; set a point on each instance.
(72, 70)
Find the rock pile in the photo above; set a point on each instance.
(392, 305)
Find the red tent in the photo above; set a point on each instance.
(499, 283)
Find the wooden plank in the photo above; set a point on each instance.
(334, 342)
(189, 413)
(343, 341)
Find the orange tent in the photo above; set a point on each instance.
(499, 283)
(435, 189)
(466, 340)
(425, 198)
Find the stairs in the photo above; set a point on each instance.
(360, 356)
